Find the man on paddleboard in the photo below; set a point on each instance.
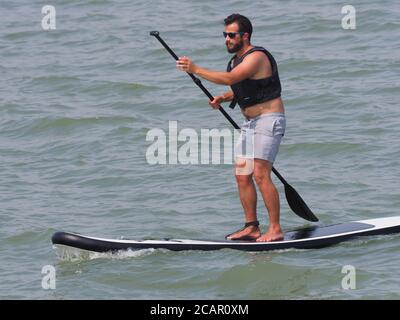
(252, 74)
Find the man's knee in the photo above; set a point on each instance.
(262, 171)
(262, 177)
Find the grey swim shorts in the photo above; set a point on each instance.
(260, 137)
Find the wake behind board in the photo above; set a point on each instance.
(306, 238)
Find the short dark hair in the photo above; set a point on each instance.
(243, 22)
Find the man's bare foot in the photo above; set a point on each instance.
(273, 234)
(247, 233)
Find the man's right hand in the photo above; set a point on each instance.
(216, 103)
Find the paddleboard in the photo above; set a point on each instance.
(306, 238)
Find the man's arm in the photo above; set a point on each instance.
(244, 70)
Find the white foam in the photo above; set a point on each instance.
(66, 253)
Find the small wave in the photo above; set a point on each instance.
(63, 123)
(20, 35)
(362, 241)
(383, 27)
(23, 237)
(94, 3)
(51, 79)
(112, 86)
(346, 73)
(100, 16)
(326, 148)
(303, 64)
(72, 84)
(278, 251)
(61, 83)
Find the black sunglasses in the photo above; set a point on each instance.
(232, 35)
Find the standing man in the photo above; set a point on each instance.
(252, 74)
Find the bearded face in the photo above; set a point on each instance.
(234, 46)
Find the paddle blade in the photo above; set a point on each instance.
(297, 204)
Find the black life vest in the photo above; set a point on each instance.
(250, 92)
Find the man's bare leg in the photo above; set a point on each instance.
(262, 175)
(248, 198)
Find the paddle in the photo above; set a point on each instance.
(296, 203)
